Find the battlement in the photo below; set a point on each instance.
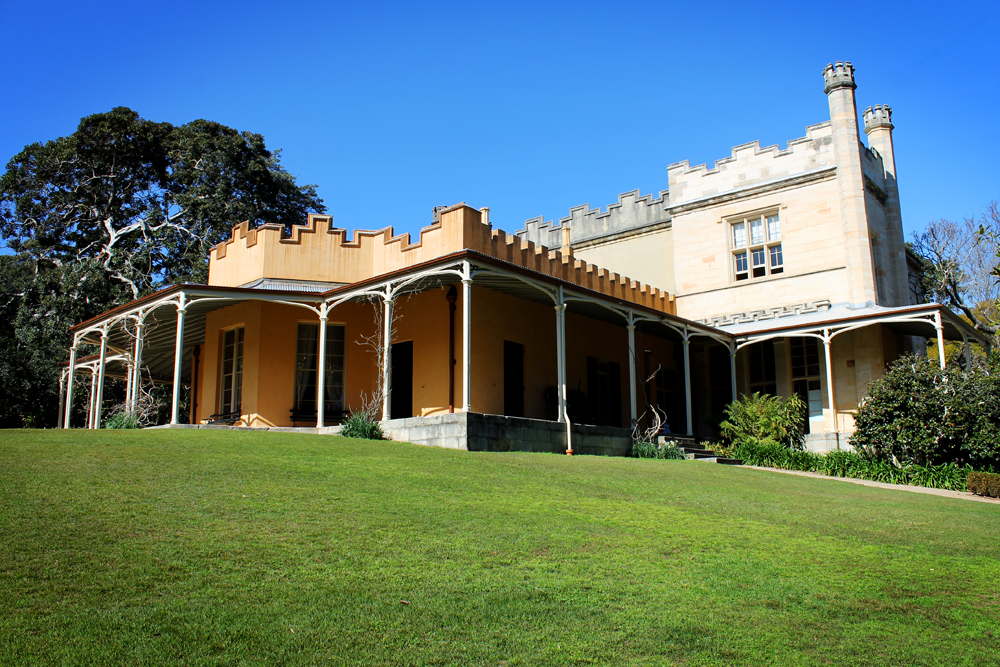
(751, 165)
(316, 251)
(817, 137)
(878, 116)
(838, 75)
(632, 211)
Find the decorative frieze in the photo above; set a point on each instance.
(767, 314)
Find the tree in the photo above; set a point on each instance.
(146, 200)
(960, 266)
(119, 208)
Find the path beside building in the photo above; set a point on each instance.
(961, 495)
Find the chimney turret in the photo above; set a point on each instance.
(839, 80)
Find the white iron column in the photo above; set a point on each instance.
(137, 361)
(940, 337)
(561, 361)
(62, 400)
(387, 359)
(827, 341)
(71, 376)
(178, 360)
(128, 384)
(687, 381)
(467, 338)
(634, 412)
(321, 369)
(732, 365)
(101, 363)
(93, 397)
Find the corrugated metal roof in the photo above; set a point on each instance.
(285, 285)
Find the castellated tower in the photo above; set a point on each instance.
(840, 86)
(878, 127)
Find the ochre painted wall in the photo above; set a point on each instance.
(270, 340)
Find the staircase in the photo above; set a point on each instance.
(693, 451)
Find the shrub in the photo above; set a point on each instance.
(644, 449)
(855, 465)
(942, 476)
(765, 420)
(984, 484)
(918, 414)
(361, 426)
(123, 420)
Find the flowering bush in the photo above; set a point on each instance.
(918, 413)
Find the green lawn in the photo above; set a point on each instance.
(226, 547)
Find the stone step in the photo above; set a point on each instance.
(729, 462)
(698, 451)
(699, 455)
(681, 440)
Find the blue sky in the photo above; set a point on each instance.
(526, 108)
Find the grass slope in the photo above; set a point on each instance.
(222, 547)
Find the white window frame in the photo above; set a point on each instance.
(235, 378)
(343, 370)
(755, 253)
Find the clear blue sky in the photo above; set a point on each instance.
(528, 109)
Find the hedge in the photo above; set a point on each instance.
(984, 484)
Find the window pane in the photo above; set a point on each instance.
(758, 257)
(741, 265)
(773, 228)
(756, 231)
(739, 235)
(305, 364)
(776, 259)
(232, 371)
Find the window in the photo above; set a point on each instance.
(806, 376)
(762, 369)
(231, 384)
(306, 356)
(764, 247)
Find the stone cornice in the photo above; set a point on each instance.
(795, 181)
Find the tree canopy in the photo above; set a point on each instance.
(960, 266)
(121, 207)
(144, 199)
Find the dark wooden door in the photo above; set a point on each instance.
(513, 379)
(604, 392)
(402, 380)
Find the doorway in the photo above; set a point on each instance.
(402, 380)
(513, 379)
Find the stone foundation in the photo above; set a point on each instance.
(821, 443)
(477, 432)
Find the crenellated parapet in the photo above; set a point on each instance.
(838, 75)
(877, 117)
(515, 250)
(319, 252)
(750, 166)
(632, 211)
